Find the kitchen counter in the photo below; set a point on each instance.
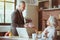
(14, 38)
(5, 28)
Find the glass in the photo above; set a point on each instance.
(10, 0)
(1, 12)
(9, 10)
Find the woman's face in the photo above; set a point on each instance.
(48, 23)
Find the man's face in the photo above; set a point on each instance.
(22, 6)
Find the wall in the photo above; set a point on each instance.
(32, 13)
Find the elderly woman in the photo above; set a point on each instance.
(49, 32)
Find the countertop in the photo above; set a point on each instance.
(14, 38)
(5, 28)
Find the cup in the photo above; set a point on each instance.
(34, 36)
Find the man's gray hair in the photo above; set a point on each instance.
(20, 3)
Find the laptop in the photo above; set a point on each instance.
(22, 32)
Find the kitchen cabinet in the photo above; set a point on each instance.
(49, 4)
(30, 2)
(2, 33)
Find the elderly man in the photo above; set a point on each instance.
(17, 18)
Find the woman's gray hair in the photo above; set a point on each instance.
(52, 20)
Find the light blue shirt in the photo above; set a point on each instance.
(51, 33)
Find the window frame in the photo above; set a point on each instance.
(5, 9)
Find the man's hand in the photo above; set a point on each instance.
(29, 25)
(26, 25)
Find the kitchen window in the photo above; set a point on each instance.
(6, 9)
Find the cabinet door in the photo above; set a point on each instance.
(30, 2)
(2, 33)
(34, 2)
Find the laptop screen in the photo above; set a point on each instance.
(22, 32)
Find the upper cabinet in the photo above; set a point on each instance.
(33, 2)
(30, 2)
(49, 4)
(44, 4)
(55, 3)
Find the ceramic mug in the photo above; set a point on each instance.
(34, 36)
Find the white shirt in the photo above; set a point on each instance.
(51, 32)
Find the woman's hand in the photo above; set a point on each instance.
(46, 33)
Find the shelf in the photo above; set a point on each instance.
(52, 9)
(42, 0)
